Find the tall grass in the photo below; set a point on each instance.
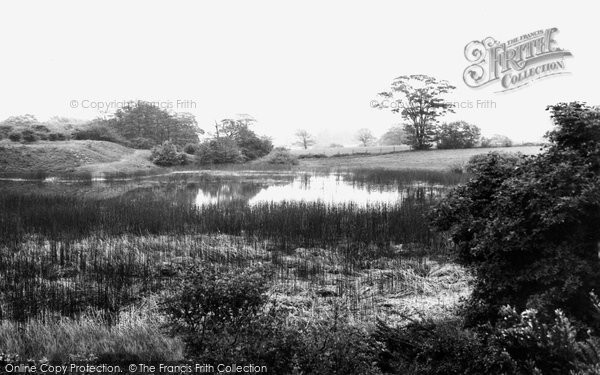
(62, 254)
(138, 334)
(296, 223)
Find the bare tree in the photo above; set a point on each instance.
(305, 139)
(365, 137)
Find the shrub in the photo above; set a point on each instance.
(458, 134)
(98, 132)
(281, 155)
(223, 316)
(166, 155)
(545, 348)
(218, 151)
(528, 225)
(40, 128)
(252, 146)
(5, 130)
(428, 348)
(315, 156)
(191, 148)
(15, 136)
(29, 136)
(57, 136)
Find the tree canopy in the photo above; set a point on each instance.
(419, 100)
(144, 123)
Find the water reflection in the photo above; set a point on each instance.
(205, 189)
(331, 189)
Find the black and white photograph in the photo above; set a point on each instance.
(299, 187)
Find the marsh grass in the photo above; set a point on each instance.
(138, 334)
(77, 267)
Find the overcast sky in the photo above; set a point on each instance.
(301, 64)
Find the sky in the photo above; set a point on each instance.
(313, 65)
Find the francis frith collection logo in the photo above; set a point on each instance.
(514, 63)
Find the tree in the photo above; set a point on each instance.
(528, 225)
(393, 136)
(21, 121)
(143, 120)
(236, 133)
(418, 99)
(458, 134)
(305, 139)
(251, 145)
(365, 137)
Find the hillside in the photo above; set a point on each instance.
(95, 157)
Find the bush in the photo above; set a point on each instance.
(223, 316)
(251, 146)
(29, 136)
(528, 225)
(428, 348)
(57, 136)
(315, 156)
(15, 136)
(166, 155)
(281, 155)
(191, 148)
(5, 130)
(545, 348)
(458, 134)
(218, 151)
(98, 132)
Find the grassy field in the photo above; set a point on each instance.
(430, 159)
(97, 158)
(330, 151)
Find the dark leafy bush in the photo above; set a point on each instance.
(57, 136)
(29, 135)
(252, 146)
(528, 226)
(224, 316)
(445, 348)
(281, 155)
(458, 134)
(166, 155)
(191, 148)
(40, 128)
(15, 136)
(98, 132)
(5, 130)
(315, 156)
(545, 348)
(218, 151)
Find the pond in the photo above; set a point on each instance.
(252, 188)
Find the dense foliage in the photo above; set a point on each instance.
(166, 155)
(225, 316)
(281, 155)
(419, 99)
(145, 124)
(218, 151)
(458, 134)
(529, 226)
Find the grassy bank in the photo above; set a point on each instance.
(430, 159)
(99, 158)
(91, 157)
